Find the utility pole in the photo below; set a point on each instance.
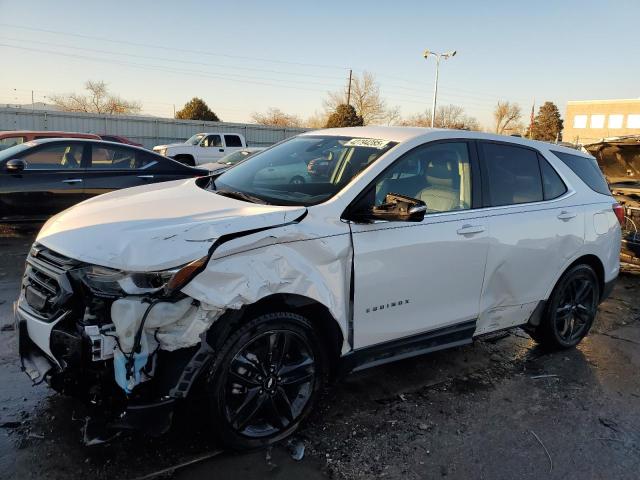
(446, 55)
(32, 104)
(435, 93)
(349, 87)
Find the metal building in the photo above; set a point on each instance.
(149, 131)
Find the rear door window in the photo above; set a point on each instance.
(511, 175)
(232, 141)
(552, 184)
(587, 169)
(118, 158)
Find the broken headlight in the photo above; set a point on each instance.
(111, 282)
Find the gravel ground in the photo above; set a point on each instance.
(500, 408)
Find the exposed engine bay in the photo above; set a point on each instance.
(619, 160)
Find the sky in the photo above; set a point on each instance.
(244, 57)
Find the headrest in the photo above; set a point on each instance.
(441, 170)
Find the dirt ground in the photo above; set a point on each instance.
(498, 409)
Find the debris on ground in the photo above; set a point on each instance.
(545, 449)
(173, 468)
(296, 449)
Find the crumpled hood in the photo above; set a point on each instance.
(169, 145)
(154, 227)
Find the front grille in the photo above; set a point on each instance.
(46, 285)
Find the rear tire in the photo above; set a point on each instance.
(297, 180)
(570, 310)
(265, 380)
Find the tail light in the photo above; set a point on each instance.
(619, 211)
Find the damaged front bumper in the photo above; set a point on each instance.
(71, 341)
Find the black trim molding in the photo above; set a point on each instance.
(434, 340)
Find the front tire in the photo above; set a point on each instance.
(265, 380)
(570, 310)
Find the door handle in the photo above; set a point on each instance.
(72, 180)
(145, 177)
(470, 229)
(221, 149)
(565, 215)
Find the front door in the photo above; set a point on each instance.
(211, 149)
(53, 180)
(412, 278)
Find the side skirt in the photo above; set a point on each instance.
(432, 341)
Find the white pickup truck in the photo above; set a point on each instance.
(203, 148)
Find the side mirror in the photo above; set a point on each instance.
(15, 165)
(397, 208)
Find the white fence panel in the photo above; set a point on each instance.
(149, 131)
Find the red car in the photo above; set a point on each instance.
(120, 139)
(16, 137)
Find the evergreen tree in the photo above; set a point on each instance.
(197, 109)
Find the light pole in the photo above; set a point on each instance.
(446, 55)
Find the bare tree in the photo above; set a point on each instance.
(447, 116)
(507, 117)
(365, 98)
(99, 100)
(317, 120)
(277, 118)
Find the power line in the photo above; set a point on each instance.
(108, 52)
(237, 78)
(165, 47)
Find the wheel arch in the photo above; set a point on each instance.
(324, 323)
(588, 259)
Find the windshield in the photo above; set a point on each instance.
(235, 157)
(12, 152)
(10, 142)
(195, 140)
(305, 170)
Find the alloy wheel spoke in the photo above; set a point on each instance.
(281, 411)
(564, 311)
(278, 348)
(583, 292)
(242, 360)
(243, 380)
(248, 409)
(298, 373)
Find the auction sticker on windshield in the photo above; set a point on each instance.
(367, 142)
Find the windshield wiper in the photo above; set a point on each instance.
(241, 196)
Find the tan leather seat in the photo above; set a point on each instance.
(443, 178)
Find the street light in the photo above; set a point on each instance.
(438, 56)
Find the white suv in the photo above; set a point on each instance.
(255, 293)
(203, 148)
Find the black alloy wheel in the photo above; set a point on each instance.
(571, 309)
(269, 376)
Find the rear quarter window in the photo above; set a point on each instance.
(587, 170)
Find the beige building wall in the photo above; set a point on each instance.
(587, 121)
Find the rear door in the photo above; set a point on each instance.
(232, 143)
(535, 228)
(53, 180)
(113, 167)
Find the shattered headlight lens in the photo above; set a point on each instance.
(108, 281)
